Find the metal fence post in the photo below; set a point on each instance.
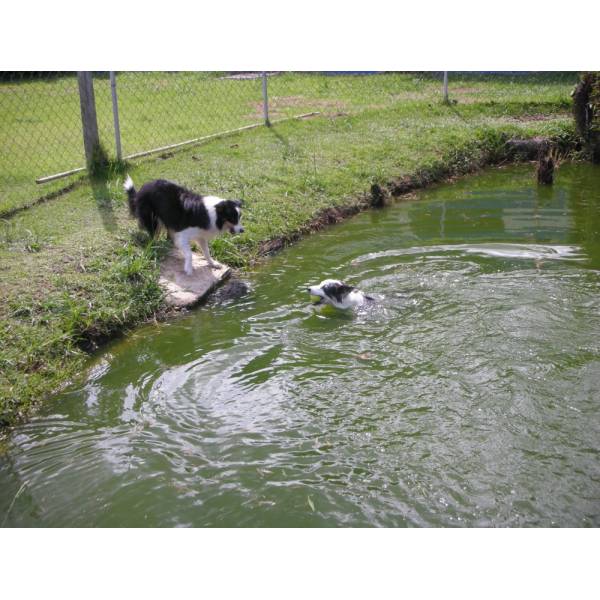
(265, 99)
(91, 141)
(446, 87)
(115, 107)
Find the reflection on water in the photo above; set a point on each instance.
(467, 395)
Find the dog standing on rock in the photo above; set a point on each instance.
(187, 216)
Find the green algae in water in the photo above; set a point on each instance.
(468, 395)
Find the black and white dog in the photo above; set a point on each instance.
(338, 294)
(187, 216)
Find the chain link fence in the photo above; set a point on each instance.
(40, 132)
(41, 121)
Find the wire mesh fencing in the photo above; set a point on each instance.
(158, 109)
(40, 132)
(41, 122)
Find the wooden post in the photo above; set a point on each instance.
(91, 141)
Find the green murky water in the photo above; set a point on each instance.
(468, 395)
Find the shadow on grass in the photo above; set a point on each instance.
(69, 187)
(273, 129)
(104, 171)
(452, 107)
(288, 150)
(104, 203)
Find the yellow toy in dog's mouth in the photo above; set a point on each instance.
(316, 299)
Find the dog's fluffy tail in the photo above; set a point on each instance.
(131, 194)
(141, 210)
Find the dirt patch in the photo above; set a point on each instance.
(411, 96)
(279, 107)
(464, 90)
(532, 118)
(465, 95)
(250, 75)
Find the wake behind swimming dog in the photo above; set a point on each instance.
(338, 294)
(186, 215)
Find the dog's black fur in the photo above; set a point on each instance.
(187, 216)
(337, 291)
(177, 208)
(338, 294)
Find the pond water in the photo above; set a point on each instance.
(468, 395)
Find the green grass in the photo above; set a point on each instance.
(75, 271)
(40, 123)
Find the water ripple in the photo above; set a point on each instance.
(466, 395)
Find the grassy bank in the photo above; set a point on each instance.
(75, 271)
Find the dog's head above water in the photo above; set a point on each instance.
(338, 294)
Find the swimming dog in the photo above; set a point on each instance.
(187, 216)
(338, 294)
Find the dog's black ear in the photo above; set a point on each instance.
(338, 291)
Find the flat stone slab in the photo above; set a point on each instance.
(183, 290)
